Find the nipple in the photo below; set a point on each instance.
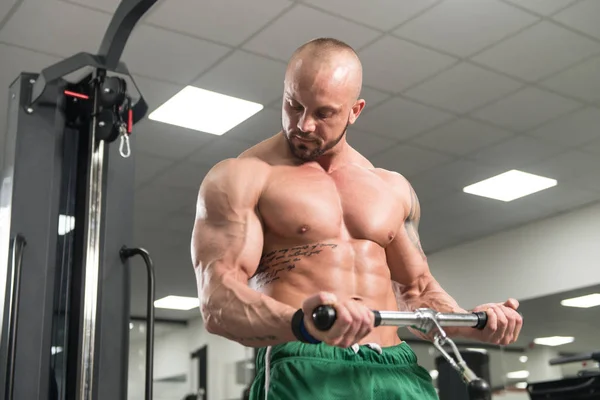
(304, 228)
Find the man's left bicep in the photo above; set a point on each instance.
(405, 255)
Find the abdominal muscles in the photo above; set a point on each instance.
(350, 269)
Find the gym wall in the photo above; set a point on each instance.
(557, 254)
(175, 373)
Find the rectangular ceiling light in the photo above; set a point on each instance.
(205, 111)
(177, 303)
(590, 300)
(518, 375)
(510, 185)
(477, 350)
(66, 223)
(554, 340)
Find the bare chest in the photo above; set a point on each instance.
(304, 204)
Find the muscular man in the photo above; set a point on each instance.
(302, 219)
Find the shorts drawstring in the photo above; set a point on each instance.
(372, 346)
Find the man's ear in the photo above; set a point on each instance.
(356, 110)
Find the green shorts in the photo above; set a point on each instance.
(298, 371)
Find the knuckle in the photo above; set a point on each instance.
(346, 319)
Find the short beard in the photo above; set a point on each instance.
(299, 151)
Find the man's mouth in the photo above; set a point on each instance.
(305, 140)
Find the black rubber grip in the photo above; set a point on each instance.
(482, 318)
(324, 317)
(377, 318)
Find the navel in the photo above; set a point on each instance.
(304, 229)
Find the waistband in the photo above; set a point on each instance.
(401, 354)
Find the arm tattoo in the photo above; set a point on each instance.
(411, 224)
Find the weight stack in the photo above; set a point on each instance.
(450, 384)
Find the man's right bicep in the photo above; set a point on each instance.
(225, 246)
(228, 235)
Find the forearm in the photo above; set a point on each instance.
(233, 310)
(428, 293)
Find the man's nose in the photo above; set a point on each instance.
(306, 123)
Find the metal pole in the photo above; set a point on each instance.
(93, 226)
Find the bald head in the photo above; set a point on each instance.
(328, 64)
(322, 85)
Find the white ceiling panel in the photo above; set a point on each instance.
(162, 54)
(226, 21)
(379, 14)
(257, 128)
(463, 88)
(219, 150)
(155, 92)
(104, 5)
(580, 81)
(15, 60)
(572, 130)
(51, 36)
(461, 137)
(164, 199)
(405, 64)
(302, 24)
(147, 167)
(592, 147)
(367, 144)
(538, 52)
(5, 7)
(583, 16)
(567, 165)
(564, 196)
(426, 191)
(185, 175)
(517, 152)
(463, 27)
(498, 217)
(167, 141)
(408, 160)
(526, 109)
(276, 104)
(455, 175)
(372, 98)
(463, 204)
(588, 181)
(246, 76)
(400, 119)
(543, 7)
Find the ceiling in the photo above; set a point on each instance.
(456, 91)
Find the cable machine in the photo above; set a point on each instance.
(66, 212)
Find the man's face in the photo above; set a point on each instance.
(316, 112)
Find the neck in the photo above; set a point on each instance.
(335, 158)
